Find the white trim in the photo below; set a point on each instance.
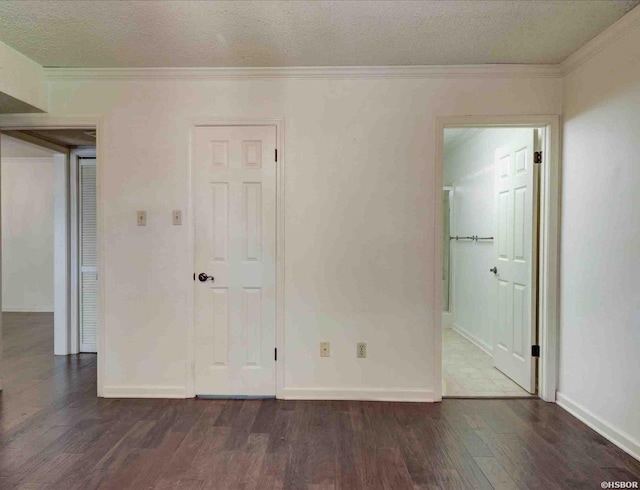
(613, 434)
(144, 391)
(27, 309)
(548, 241)
(359, 394)
(480, 344)
(61, 254)
(74, 270)
(611, 34)
(548, 261)
(307, 72)
(47, 121)
(278, 123)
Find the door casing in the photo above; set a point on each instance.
(548, 240)
(278, 123)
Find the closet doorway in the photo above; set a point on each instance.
(490, 261)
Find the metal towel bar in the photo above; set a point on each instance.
(474, 238)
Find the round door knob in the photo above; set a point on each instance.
(494, 270)
(202, 277)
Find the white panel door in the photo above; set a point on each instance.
(514, 331)
(235, 312)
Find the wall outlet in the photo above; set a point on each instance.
(324, 349)
(142, 218)
(361, 350)
(176, 217)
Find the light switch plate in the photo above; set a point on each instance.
(361, 350)
(142, 218)
(177, 217)
(324, 349)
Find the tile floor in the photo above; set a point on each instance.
(469, 371)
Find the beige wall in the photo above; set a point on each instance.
(600, 253)
(359, 218)
(27, 234)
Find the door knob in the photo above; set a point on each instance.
(494, 270)
(202, 277)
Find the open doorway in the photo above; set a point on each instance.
(49, 263)
(490, 261)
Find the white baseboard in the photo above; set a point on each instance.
(617, 436)
(358, 394)
(473, 339)
(27, 309)
(144, 392)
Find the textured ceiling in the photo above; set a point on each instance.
(302, 33)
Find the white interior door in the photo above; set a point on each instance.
(88, 280)
(235, 216)
(514, 333)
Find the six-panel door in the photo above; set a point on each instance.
(235, 205)
(514, 322)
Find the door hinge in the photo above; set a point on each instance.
(275, 354)
(276, 154)
(535, 351)
(194, 276)
(537, 157)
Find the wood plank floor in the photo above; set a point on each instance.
(55, 433)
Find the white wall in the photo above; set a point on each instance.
(469, 167)
(27, 234)
(600, 251)
(359, 218)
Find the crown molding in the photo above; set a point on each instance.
(606, 38)
(307, 72)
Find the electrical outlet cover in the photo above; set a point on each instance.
(325, 349)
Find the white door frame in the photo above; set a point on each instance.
(548, 241)
(278, 123)
(46, 121)
(450, 313)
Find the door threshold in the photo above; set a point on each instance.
(236, 397)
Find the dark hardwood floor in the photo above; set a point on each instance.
(55, 433)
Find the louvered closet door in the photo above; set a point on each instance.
(88, 257)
